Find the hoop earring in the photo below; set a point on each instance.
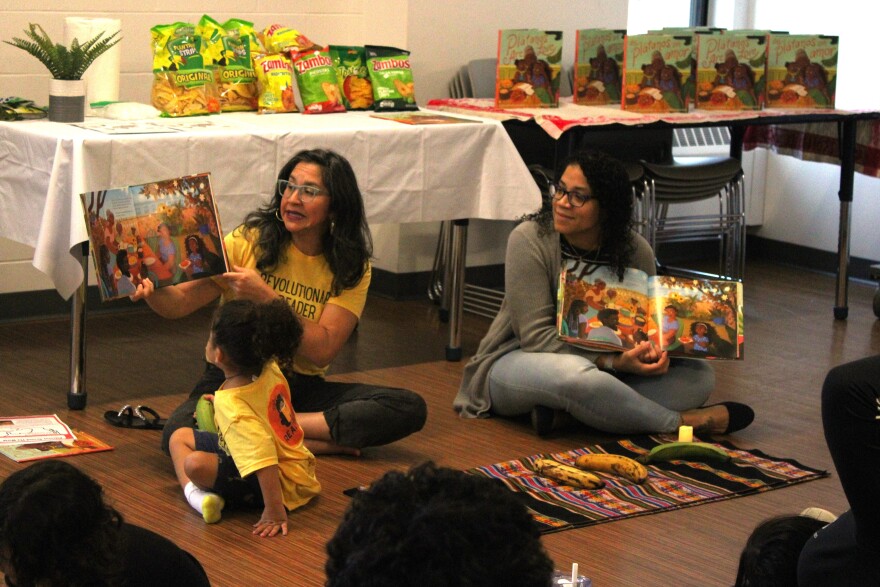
(278, 215)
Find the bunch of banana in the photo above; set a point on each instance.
(568, 475)
(615, 464)
(686, 451)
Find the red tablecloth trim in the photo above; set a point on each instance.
(815, 141)
(818, 142)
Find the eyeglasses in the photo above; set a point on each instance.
(575, 199)
(307, 193)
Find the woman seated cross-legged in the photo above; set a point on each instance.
(310, 245)
(522, 367)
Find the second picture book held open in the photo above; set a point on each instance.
(698, 318)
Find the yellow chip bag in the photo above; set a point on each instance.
(274, 84)
(279, 39)
(231, 45)
(183, 76)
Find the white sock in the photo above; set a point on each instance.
(209, 504)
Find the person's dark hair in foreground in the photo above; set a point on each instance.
(57, 531)
(434, 526)
(770, 557)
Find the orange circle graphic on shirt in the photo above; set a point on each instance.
(282, 418)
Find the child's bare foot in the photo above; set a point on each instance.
(326, 447)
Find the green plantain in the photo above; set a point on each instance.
(686, 451)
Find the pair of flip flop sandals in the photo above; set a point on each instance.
(138, 417)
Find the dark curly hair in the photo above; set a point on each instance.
(347, 248)
(251, 334)
(609, 184)
(433, 527)
(57, 530)
(770, 557)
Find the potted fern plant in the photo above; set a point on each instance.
(67, 66)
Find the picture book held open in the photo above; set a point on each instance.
(167, 231)
(698, 318)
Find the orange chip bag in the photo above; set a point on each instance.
(274, 83)
(316, 80)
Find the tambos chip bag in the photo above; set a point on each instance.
(231, 45)
(392, 78)
(183, 76)
(352, 76)
(274, 84)
(316, 80)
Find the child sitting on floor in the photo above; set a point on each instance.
(257, 456)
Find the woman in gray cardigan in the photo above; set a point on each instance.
(521, 366)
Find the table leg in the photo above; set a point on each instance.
(846, 131)
(446, 255)
(455, 287)
(76, 396)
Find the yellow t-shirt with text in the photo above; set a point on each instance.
(304, 281)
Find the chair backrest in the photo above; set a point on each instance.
(544, 178)
(564, 82)
(694, 180)
(482, 74)
(465, 82)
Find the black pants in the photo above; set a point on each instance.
(847, 551)
(358, 415)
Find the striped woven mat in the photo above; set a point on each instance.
(670, 486)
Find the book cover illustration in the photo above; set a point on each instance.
(598, 66)
(167, 231)
(657, 72)
(801, 71)
(686, 317)
(83, 443)
(419, 117)
(731, 71)
(33, 429)
(529, 66)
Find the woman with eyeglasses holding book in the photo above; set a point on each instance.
(310, 245)
(522, 367)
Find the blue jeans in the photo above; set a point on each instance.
(620, 404)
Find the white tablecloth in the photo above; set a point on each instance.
(408, 173)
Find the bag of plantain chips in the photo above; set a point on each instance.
(231, 46)
(183, 76)
(392, 78)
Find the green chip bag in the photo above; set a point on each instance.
(316, 80)
(231, 46)
(352, 76)
(392, 78)
(183, 72)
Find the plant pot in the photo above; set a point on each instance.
(67, 100)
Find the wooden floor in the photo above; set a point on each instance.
(138, 358)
